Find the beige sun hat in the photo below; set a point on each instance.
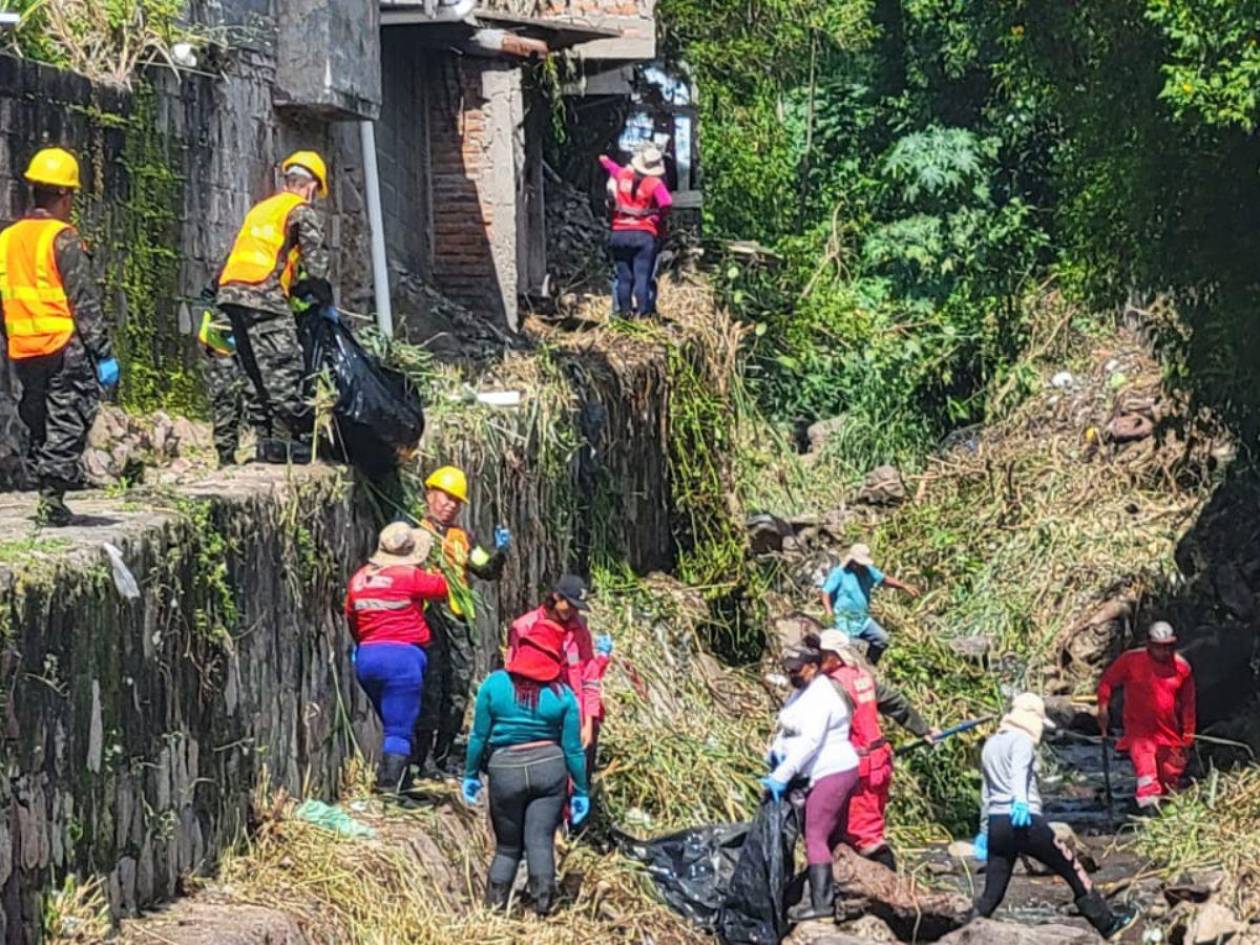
(649, 162)
(1028, 714)
(1162, 632)
(398, 545)
(858, 554)
(834, 641)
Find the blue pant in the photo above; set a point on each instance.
(876, 638)
(634, 254)
(392, 674)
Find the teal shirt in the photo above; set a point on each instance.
(850, 596)
(500, 721)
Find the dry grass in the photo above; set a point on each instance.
(77, 913)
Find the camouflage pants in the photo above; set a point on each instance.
(229, 391)
(448, 686)
(60, 397)
(269, 352)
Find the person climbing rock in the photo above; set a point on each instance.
(460, 557)
(640, 205)
(278, 260)
(846, 597)
(585, 657)
(1010, 805)
(526, 734)
(812, 745)
(869, 698)
(1159, 712)
(55, 332)
(385, 611)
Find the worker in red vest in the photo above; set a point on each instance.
(638, 224)
(277, 258)
(870, 699)
(54, 330)
(1159, 712)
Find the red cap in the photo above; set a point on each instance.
(538, 653)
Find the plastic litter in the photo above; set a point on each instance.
(378, 414)
(124, 580)
(1062, 380)
(332, 818)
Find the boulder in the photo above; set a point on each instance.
(989, 932)
(108, 428)
(913, 912)
(767, 533)
(821, 932)
(883, 486)
(191, 437)
(974, 648)
(1211, 923)
(822, 431)
(787, 630)
(869, 929)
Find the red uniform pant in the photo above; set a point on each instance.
(865, 832)
(1159, 768)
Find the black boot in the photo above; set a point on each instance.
(281, 452)
(390, 775)
(51, 510)
(1108, 924)
(543, 892)
(822, 896)
(497, 895)
(884, 857)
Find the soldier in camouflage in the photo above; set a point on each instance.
(277, 260)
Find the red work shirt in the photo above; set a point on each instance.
(1158, 697)
(864, 727)
(583, 667)
(641, 208)
(386, 605)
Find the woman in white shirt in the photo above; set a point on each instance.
(811, 744)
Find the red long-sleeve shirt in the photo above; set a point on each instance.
(386, 605)
(1158, 697)
(583, 667)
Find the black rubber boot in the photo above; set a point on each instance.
(543, 892)
(497, 895)
(822, 896)
(51, 510)
(389, 776)
(1108, 924)
(280, 452)
(884, 857)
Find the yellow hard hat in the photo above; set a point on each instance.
(450, 480)
(310, 161)
(54, 167)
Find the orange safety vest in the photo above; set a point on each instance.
(37, 315)
(260, 246)
(456, 552)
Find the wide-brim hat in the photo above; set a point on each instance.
(649, 162)
(841, 644)
(1161, 632)
(858, 554)
(399, 543)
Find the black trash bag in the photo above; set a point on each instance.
(754, 910)
(378, 414)
(692, 868)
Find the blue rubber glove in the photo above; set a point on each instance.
(1021, 816)
(471, 790)
(579, 809)
(604, 645)
(981, 844)
(107, 372)
(776, 789)
(502, 538)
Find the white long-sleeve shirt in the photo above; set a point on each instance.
(812, 737)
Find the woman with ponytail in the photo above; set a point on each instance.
(527, 735)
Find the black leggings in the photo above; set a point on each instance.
(528, 793)
(1038, 841)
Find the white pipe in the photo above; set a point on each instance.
(376, 227)
(10, 20)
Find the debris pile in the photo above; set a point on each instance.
(153, 448)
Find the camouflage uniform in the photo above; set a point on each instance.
(452, 662)
(268, 345)
(60, 392)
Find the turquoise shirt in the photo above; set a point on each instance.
(850, 595)
(500, 721)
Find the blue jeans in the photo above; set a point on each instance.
(634, 255)
(392, 675)
(875, 637)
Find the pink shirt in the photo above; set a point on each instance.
(583, 667)
(641, 210)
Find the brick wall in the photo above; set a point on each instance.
(475, 110)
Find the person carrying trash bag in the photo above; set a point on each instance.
(459, 557)
(812, 745)
(55, 332)
(869, 699)
(385, 610)
(527, 735)
(1010, 806)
